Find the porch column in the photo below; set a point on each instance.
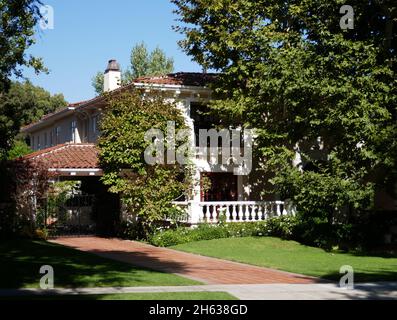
(240, 188)
(194, 207)
(243, 188)
(194, 212)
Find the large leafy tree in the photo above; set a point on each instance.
(147, 190)
(34, 101)
(24, 103)
(18, 19)
(307, 86)
(139, 61)
(142, 63)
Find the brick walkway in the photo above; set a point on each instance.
(204, 269)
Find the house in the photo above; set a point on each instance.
(66, 141)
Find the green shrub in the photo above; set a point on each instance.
(169, 238)
(208, 232)
(315, 231)
(279, 227)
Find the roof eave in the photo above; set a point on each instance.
(46, 121)
(77, 172)
(170, 86)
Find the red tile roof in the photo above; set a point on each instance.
(195, 79)
(68, 156)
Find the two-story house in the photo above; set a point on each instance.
(66, 141)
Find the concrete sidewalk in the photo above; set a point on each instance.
(381, 290)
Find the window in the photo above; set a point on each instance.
(51, 137)
(38, 142)
(86, 127)
(73, 130)
(57, 135)
(32, 143)
(95, 124)
(45, 140)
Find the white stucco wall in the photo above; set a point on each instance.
(85, 131)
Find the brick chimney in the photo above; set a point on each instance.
(112, 77)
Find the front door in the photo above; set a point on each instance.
(220, 186)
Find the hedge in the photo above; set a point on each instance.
(278, 227)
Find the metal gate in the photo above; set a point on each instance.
(73, 216)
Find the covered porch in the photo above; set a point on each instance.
(228, 198)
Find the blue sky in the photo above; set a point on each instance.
(87, 33)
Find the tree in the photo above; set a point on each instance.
(24, 184)
(34, 101)
(144, 64)
(159, 63)
(141, 64)
(146, 190)
(18, 19)
(24, 103)
(97, 82)
(19, 149)
(307, 86)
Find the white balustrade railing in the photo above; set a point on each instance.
(233, 211)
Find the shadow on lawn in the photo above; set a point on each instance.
(20, 262)
(378, 276)
(142, 260)
(376, 254)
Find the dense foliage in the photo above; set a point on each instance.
(282, 227)
(365, 235)
(24, 183)
(146, 190)
(143, 63)
(18, 19)
(20, 103)
(24, 103)
(308, 88)
(19, 149)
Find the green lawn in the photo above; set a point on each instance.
(135, 296)
(20, 261)
(294, 257)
